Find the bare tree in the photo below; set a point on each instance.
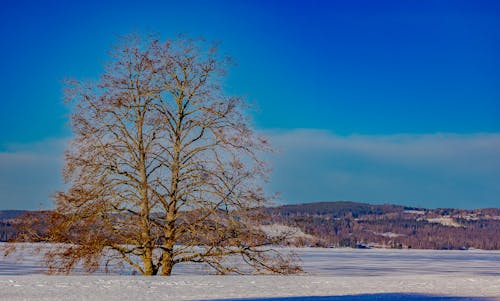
(163, 168)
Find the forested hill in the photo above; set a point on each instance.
(10, 214)
(7, 217)
(335, 209)
(349, 224)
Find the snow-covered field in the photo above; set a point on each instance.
(331, 274)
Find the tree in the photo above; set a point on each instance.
(163, 168)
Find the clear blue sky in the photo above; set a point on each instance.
(335, 82)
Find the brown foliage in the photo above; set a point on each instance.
(163, 168)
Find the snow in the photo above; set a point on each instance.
(389, 234)
(414, 211)
(226, 287)
(331, 274)
(278, 230)
(445, 221)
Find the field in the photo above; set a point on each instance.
(330, 274)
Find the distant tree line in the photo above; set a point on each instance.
(348, 224)
(7, 218)
(6, 231)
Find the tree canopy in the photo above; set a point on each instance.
(164, 168)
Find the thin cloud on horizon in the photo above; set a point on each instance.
(427, 170)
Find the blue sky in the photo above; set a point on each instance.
(375, 101)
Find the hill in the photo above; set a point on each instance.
(349, 224)
(7, 218)
(10, 214)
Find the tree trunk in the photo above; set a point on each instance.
(168, 246)
(147, 256)
(167, 263)
(147, 259)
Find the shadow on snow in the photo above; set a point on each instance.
(366, 297)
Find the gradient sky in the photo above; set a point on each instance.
(373, 101)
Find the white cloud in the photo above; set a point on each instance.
(431, 170)
(30, 173)
(434, 170)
